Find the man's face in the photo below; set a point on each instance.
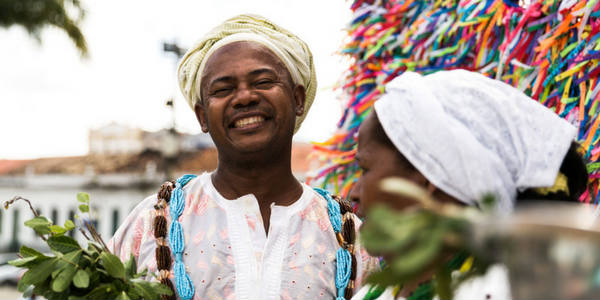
(249, 102)
(379, 161)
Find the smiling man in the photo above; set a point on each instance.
(249, 229)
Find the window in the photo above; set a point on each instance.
(95, 218)
(72, 218)
(54, 216)
(115, 220)
(14, 242)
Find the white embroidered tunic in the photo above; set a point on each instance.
(228, 254)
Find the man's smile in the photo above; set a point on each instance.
(248, 121)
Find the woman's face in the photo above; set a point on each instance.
(379, 159)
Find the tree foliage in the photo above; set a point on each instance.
(34, 15)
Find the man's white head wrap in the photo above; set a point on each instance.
(471, 135)
(290, 49)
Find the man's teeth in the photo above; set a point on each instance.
(249, 121)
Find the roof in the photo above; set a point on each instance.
(187, 162)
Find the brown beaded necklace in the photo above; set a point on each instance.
(163, 253)
(347, 240)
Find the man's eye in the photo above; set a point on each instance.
(265, 83)
(221, 92)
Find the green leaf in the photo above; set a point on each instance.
(102, 292)
(406, 189)
(22, 261)
(417, 259)
(69, 224)
(145, 289)
(150, 290)
(161, 289)
(40, 272)
(101, 272)
(113, 265)
(37, 221)
(42, 230)
(57, 271)
(123, 296)
(84, 208)
(83, 197)
(43, 289)
(56, 229)
(23, 286)
(389, 232)
(91, 252)
(40, 225)
(71, 258)
(63, 280)
(130, 266)
(133, 293)
(385, 278)
(143, 273)
(27, 294)
(63, 244)
(27, 252)
(443, 282)
(81, 279)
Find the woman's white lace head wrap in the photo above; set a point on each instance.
(471, 135)
(289, 48)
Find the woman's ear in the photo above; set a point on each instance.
(430, 188)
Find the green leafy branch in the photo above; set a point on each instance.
(421, 242)
(75, 272)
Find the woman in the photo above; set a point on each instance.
(462, 136)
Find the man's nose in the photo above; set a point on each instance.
(245, 97)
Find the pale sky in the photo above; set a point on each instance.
(50, 98)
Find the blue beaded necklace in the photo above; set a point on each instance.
(183, 283)
(343, 257)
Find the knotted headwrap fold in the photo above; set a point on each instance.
(290, 49)
(471, 135)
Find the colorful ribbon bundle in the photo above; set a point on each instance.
(549, 49)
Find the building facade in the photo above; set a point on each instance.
(108, 210)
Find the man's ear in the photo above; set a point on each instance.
(299, 99)
(201, 116)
